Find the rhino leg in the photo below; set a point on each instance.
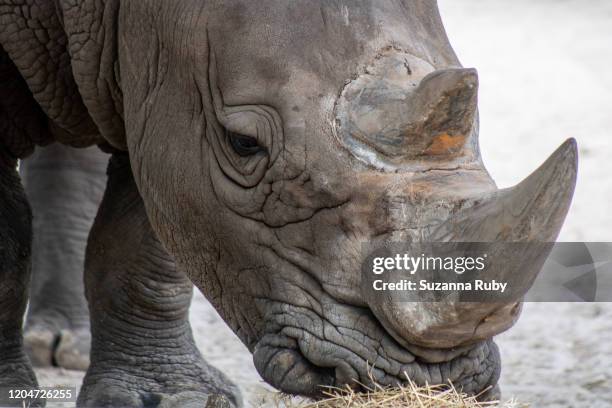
(143, 353)
(15, 243)
(64, 187)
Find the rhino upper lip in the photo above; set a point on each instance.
(418, 367)
(395, 357)
(363, 349)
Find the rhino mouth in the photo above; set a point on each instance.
(320, 331)
(305, 354)
(316, 336)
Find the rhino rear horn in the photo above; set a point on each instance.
(441, 112)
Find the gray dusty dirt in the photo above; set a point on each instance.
(545, 76)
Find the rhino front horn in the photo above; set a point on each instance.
(533, 210)
(519, 223)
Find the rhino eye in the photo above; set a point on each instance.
(244, 145)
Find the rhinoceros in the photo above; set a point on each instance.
(255, 146)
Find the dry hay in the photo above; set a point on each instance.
(407, 396)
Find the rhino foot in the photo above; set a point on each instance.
(143, 353)
(16, 373)
(195, 400)
(123, 387)
(72, 351)
(65, 348)
(64, 187)
(117, 397)
(39, 344)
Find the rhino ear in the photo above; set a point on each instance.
(95, 64)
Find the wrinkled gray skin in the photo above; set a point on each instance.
(367, 128)
(64, 187)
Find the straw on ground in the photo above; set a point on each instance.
(406, 396)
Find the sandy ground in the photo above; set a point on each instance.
(545, 76)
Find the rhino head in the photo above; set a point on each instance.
(270, 139)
